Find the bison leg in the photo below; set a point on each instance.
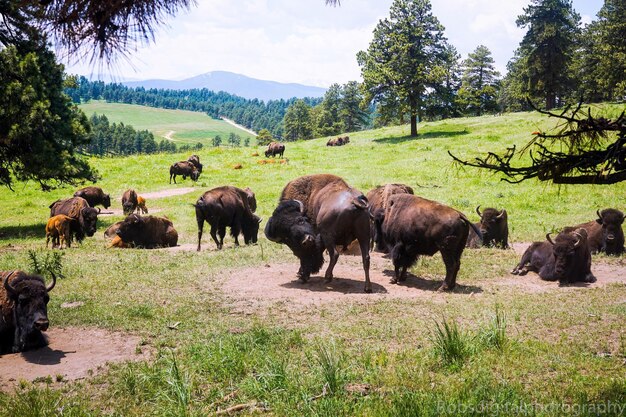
(214, 228)
(333, 254)
(222, 233)
(200, 227)
(590, 278)
(302, 275)
(365, 257)
(453, 264)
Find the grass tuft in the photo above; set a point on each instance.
(450, 344)
(494, 334)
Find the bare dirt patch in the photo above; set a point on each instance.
(168, 193)
(73, 353)
(120, 212)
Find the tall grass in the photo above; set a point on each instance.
(493, 335)
(450, 344)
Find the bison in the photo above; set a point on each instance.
(94, 196)
(275, 148)
(129, 201)
(147, 232)
(331, 214)
(59, 229)
(195, 160)
(78, 209)
(566, 259)
(494, 228)
(184, 168)
(227, 206)
(414, 226)
(340, 141)
(141, 205)
(605, 233)
(111, 231)
(23, 311)
(378, 198)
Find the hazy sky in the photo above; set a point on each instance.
(305, 41)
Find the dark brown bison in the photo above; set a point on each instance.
(184, 168)
(340, 141)
(129, 202)
(195, 160)
(605, 233)
(377, 199)
(59, 229)
(23, 311)
(337, 215)
(224, 207)
(566, 259)
(78, 209)
(494, 227)
(251, 199)
(94, 196)
(147, 232)
(274, 149)
(414, 226)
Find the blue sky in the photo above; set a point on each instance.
(305, 41)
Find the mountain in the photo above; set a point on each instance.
(237, 84)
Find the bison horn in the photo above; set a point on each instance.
(599, 215)
(53, 283)
(501, 215)
(478, 211)
(549, 239)
(301, 206)
(7, 286)
(579, 240)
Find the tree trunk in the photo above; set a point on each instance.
(415, 108)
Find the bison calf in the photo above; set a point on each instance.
(141, 205)
(23, 311)
(59, 229)
(147, 232)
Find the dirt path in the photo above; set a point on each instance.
(169, 134)
(73, 353)
(233, 123)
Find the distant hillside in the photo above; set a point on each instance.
(237, 84)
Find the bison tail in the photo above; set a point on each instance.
(473, 226)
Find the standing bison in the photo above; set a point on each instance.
(605, 233)
(59, 229)
(494, 227)
(78, 209)
(147, 232)
(184, 168)
(227, 206)
(23, 311)
(195, 160)
(94, 196)
(274, 149)
(318, 212)
(414, 226)
(566, 259)
(378, 198)
(129, 202)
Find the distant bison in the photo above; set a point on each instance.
(195, 160)
(378, 198)
(23, 311)
(94, 196)
(227, 206)
(184, 168)
(340, 141)
(141, 205)
(129, 201)
(337, 214)
(605, 233)
(274, 149)
(414, 226)
(494, 228)
(566, 259)
(59, 229)
(148, 232)
(78, 209)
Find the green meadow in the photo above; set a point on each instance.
(483, 349)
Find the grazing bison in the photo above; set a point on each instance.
(337, 215)
(195, 160)
(251, 199)
(377, 204)
(129, 201)
(147, 232)
(493, 226)
(78, 209)
(23, 311)
(94, 196)
(605, 234)
(414, 226)
(566, 259)
(141, 205)
(184, 168)
(275, 148)
(227, 206)
(59, 229)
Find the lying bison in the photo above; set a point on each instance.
(94, 196)
(184, 168)
(605, 233)
(566, 259)
(147, 232)
(23, 311)
(330, 214)
(414, 226)
(129, 201)
(378, 198)
(494, 227)
(227, 206)
(78, 209)
(340, 141)
(274, 149)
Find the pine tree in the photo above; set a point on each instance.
(479, 88)
(297, 121)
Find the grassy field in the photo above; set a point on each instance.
(483, 349)
(180, 126)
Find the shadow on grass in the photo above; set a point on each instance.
(420, 136)
(413, 281)
(25, 231)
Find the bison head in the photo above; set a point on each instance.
(106, 201)
(612, 233)
(89, 217)
(131, 228)
(493, 226)
(195, 174)
(29, 295)
(250, 229)
(571, 252)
